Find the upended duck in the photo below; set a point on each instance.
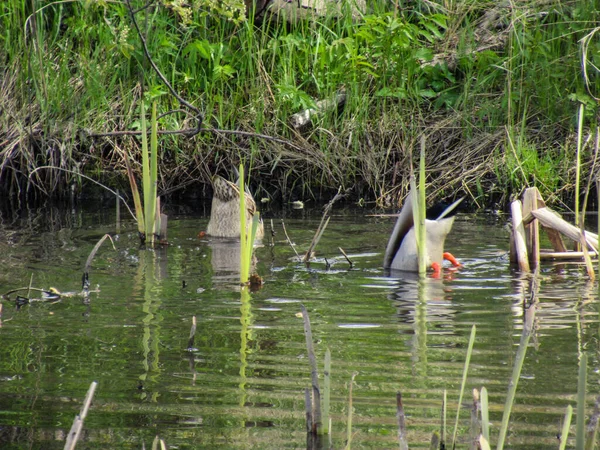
(401, 250)
(225, 210)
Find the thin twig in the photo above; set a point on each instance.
(288, 239)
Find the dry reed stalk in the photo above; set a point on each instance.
(192, 334)
(322, 225)
(77, 426)
(316, 392)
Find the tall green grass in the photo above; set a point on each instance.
(247, 236)
(79, 66)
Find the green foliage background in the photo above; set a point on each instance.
(495, 89)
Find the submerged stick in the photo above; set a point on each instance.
(401, 418)
(316, 403)
(77, 426)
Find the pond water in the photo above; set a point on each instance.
(242, 385)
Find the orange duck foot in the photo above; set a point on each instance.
(449, 257)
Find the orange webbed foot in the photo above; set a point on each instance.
(449, 257)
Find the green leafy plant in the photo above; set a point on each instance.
(148, 215)
(246, 236)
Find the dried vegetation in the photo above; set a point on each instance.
(494, 87)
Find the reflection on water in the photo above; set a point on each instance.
(241, 385)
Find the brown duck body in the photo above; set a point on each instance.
(225, 210)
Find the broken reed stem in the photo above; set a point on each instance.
(288, 239)
(434, 444)
(315, 241)
(580, 419)
(77, 426)
(443, 424)
(272, 234)
(464, 381)
(578, 160)
(345, 256)
(485, 414)
(350, 411)
(88, 263)
(309, 408)
(118, 214)
(475, 423)
(326, 392)
(520, 357)
(316, 400)
(322, 225)
(564, 434)
(192, 334)
(401, 418)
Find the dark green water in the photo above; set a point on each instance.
(242, 386)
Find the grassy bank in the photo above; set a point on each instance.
(495, 89)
